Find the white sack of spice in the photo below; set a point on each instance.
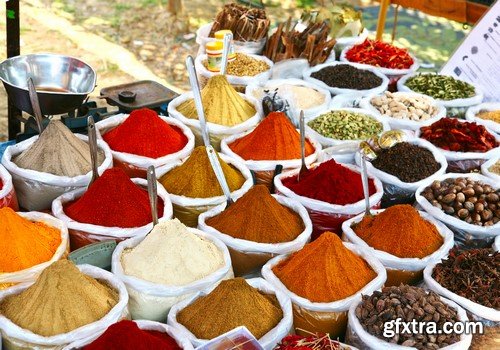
(168, 265)
(36, 190)
(235, 80)
(301, 95)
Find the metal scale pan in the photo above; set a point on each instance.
(62, 82)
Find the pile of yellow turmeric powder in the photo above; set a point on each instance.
(222, 104)
(195, 178)
(23, 243)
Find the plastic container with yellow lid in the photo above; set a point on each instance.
(219, 37)
(214, 55)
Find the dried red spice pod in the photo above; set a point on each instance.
(452, 135)
(379, 54)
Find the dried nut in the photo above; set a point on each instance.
(463, 213)
(466, 199)
(478, 189)
(449, 198)
(469, 206)
(492, 197)
(468, 192)
(478, 207)
(486, 215)
(460, 197)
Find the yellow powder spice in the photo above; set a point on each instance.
(61, 300)
(222, 104)
(195, 178)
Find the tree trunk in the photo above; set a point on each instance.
(175, 7)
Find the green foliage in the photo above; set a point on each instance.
(305, 3)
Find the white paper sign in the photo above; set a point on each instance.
(477, 60)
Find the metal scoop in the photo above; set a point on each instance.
(303, 167)
(35, 105)
(93, 148)
(366, 192)
(153, 194)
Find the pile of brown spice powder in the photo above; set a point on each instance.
(59, 152)
(258, 217)
(231, 304)
(61, 300)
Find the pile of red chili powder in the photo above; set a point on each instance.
(126, 335)
(145, 134)
(330, 182)
(379, 54)
(113, 200)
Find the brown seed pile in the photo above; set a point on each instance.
(244, 66)
(469, 200)
(408, 303)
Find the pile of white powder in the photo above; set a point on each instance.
(304, 97)
(171, 255)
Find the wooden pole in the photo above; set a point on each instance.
(175, 7)
(395, 25)
(13, 49)
(382, 15)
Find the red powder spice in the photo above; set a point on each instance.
(275, 138)
(330, 182)
(1, 184)
(113, 200)
(144, 133)
(126, 335)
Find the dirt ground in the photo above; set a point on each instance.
(34, 40)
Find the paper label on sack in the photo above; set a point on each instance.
(477, 59)
(239, 338)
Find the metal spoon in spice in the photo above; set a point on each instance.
(195, 87)
(364, 179)
(93, 148)
(303, 167)
(225, 52)
(35, 105)
(153, 194)
(214, 161)
(212, 156)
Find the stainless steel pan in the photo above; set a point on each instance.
(62, 82)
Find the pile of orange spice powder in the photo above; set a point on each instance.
(324, 271)
(400, 231)
(257, 216)
(275, 138)
(24, 243)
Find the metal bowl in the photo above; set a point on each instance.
(62, 82)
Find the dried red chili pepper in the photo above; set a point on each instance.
(453, 135)
(380, 54)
